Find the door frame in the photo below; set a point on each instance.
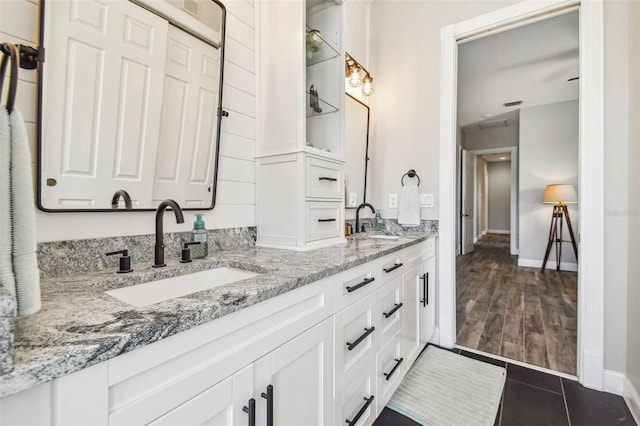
(513, 222)
(590, 343)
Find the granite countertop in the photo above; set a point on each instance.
(79, 325)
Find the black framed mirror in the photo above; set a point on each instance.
(357, 115)
(129, 100)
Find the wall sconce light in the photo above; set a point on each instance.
(367, 85)
(353, 73)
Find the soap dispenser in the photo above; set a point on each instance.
(200, 235)
(378, 224)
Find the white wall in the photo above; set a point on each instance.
(548, 155)
(405, 54)
(499, 196)
(632, 337)
(494, 137)
(235, 206)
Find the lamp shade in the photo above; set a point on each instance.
(560, 194)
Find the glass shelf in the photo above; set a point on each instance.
(325, 107)
(324, 53)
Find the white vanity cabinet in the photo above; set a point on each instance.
(300, 151)
(326, 353)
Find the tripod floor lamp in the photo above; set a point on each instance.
(559, 196)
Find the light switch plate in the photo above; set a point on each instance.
(426, 200)
(353, 196)
(393, 201)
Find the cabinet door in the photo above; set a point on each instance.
(428, 300)
(222, 404)
(411, 313)
(301, 374)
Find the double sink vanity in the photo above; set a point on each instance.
(245, 335)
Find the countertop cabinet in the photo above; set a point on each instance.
(300, 151)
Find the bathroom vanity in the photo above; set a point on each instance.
(320, 337)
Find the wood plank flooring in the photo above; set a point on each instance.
(516, 312)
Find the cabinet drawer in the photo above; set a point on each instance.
(324, 179)
(325, 220)
(391, 302)
(355, 402)
(390, 367)
(357, 335)
(355, 283)
(394, 265)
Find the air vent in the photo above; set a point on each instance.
(192, 7)
(492, 124)
(510, 104)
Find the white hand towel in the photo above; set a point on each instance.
(23, 220)
(409, 209)
(7, 279)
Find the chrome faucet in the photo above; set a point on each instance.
(159, 249)
(125, 196)
(373, 210)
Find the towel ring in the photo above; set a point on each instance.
(411, 173)
(12, 56)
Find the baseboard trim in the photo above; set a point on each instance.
(475, 240)
(632, 398)
(499, 231)
(614, 382)
(551, 264)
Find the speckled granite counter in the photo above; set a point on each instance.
(79, 325)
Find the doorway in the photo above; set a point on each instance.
(591, 143)
(506, 307)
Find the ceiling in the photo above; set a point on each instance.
(531, 63)
(492, 158)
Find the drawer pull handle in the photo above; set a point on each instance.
(393, 268)
(362, 284)
(395, 367)
(367, 331)
(425, 286)
(326, 220)
(393, 311)
(251, 411)
(330, 179)
(361, 411)
(269, 397)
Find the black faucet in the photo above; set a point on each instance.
(159, 250)
(125, 196)
(373, 210)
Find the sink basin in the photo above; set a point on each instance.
(384, 237)
(169, 288)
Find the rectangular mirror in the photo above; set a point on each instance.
(356, 151)
(130, 99)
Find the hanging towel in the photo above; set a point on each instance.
(7, 279)
(409, 209)
(23, 220)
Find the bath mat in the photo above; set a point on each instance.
(443, 388)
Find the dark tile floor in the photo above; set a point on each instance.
(533, 398)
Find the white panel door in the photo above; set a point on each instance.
(186, 156)
(466, 209)
(101, 125)
(301, 373)
(411, 314)
(220, 405)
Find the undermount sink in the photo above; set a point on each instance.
(145, 294)
(384, 237)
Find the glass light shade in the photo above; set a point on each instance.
(354, 76)
(367, 85)
(560, 194)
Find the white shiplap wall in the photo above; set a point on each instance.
(235, 206)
